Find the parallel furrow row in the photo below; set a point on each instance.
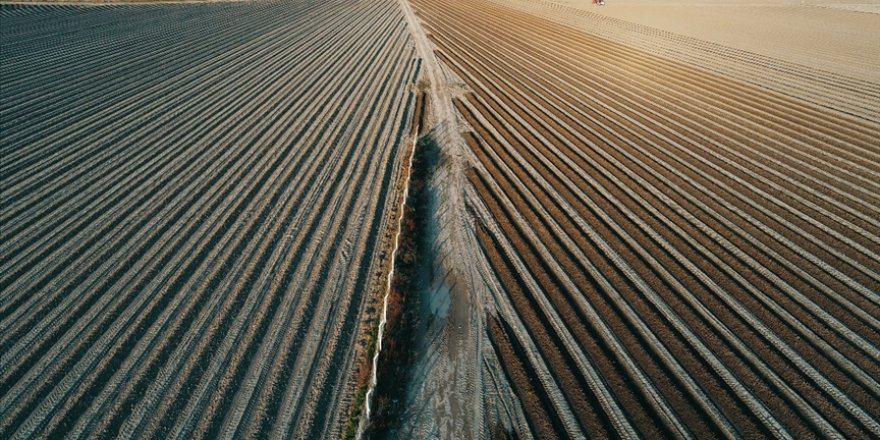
(686, 254)
(189, 251)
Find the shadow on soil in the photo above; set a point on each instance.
(413, 272)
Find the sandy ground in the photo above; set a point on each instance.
(839, 37)
(445, 403)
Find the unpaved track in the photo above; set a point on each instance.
(192, 203)
(682, 254)
(446, 398)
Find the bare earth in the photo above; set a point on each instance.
(839, 37)
(653, 219)
(676, 201)
(194, 202)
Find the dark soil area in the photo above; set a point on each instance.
(412, 273)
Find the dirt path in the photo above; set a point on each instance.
(449, 372)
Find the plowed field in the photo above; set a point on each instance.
(680, 253)
(195, 201)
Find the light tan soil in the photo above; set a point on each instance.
(835, 36)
